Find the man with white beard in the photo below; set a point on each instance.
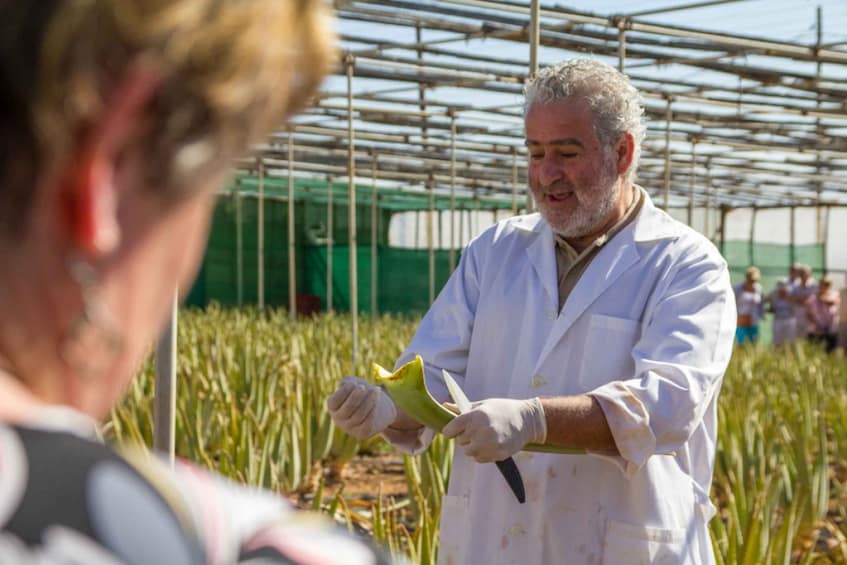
(600, 324)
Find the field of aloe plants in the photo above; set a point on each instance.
(251, 406)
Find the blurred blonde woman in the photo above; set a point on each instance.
(119, 118)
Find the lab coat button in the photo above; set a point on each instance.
(538, 381)
(551, 315)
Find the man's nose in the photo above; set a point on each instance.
(549, 172)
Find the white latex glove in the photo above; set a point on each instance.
(497, 428)
(360, 408)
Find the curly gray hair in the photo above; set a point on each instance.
(616, 104)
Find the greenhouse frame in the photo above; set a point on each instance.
(746, 141)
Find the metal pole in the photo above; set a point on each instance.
(239, 254)
(452, 252)
(723, 230)
(752, 242)
(514, 181)
(164, 408)
(461, 227)
(826, 241)
(668, 118)
(440, 226)
(330, 230)
(534, 36)
(421, 84)
(374, 236)
(260, 238)
(819, 224)
(430, 241)
(292, 263)
(707, 213)
(791, 238)
(621, 44)
(691, 184)
(819, 233)
(351, 176)
(478, 215)
(534, 40)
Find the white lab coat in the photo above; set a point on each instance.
(648, 331)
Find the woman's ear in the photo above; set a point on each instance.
(89, 191)
(89, 204)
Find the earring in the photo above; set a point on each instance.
(93, 339)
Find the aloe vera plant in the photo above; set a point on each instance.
(407, 388)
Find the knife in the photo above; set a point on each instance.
(508, 468)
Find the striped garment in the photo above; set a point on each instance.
(66, 498)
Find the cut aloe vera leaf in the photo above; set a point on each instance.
(407, 388)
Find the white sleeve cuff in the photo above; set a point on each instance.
(629, 423)
(410, 442)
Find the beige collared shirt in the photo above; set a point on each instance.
(570, 265)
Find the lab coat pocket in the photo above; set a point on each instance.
(454, 530)
(608, 351)
(628, 543)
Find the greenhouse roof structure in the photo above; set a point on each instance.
(427, 98)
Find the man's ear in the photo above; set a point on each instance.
(624, 152)
(89, 190)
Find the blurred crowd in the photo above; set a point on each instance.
(803, 308)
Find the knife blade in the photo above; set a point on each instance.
(507, 467)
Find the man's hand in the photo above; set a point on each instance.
(360, 408)
(497, 428)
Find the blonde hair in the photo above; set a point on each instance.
(229, 71)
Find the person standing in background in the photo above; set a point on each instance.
(784, 322)
(804, 287)
(794, 275)
(822, 311)
(750, 305)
